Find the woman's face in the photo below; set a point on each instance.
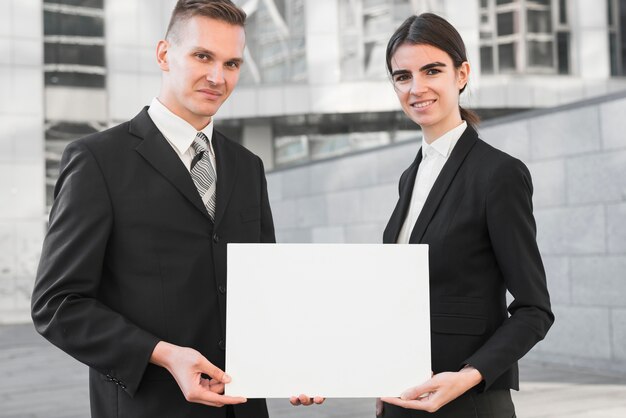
(428, 85)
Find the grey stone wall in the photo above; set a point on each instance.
(577, 156)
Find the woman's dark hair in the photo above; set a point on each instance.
(430, 29)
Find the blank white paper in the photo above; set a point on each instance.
(332, 320)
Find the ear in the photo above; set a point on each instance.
(463, 73)
(162, 55)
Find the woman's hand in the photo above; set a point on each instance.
(306, 400)
(439, 390)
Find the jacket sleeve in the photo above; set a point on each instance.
(267, 221)
(65, 305)
(512, 232)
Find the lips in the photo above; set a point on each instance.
(210, 94)
(422, 104)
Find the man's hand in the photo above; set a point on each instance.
(187, 366)
(441, 389)
(306, 400)
(380, 407)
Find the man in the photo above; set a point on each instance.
(132, 277)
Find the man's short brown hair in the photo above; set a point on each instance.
(223, 10)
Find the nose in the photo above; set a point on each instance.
(418, 87)
(215, 74)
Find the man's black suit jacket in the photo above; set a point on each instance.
(132, 257)
(479, 225)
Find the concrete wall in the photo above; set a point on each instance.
(22, 179)
(577, 156)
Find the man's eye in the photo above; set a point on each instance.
(233, 65)
(432, 71)
(203, 57)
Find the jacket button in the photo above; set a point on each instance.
(222, 289)
(222, 345)
(216, 238)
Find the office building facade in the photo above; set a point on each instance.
(313, 89)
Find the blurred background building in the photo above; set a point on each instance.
(315, 103)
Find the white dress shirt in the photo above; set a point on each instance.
(179, 133)
(434, 156)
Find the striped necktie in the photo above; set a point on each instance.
(202, 172)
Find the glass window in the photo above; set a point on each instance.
(75, 25)
(365, 29)
(506, 57)
(615, 70)
(539, 21)
(324, 146)
(506, 23)
(97, 4)
(540, 54)
(563, 11)
(486, 59)
(524, 37)
(63, 53)
(622, 37)
(617, 36)
(74, 79)
(538, 2)
(291, 149)
(74, 57)
(276, 43)
(562, 51)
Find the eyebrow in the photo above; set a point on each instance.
(201, 50)
(424, 68)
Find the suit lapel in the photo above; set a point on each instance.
(226, 160)
(450, 168)
(399, 213)
(155, 149)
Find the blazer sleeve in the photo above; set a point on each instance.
(267, 221)
(512, 232)
(65, 306)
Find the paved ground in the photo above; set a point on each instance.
(39, 381)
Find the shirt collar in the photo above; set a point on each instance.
(175, 129)
(445, 143)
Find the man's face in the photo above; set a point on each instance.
(201, 63)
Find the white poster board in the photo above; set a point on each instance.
(331, 320)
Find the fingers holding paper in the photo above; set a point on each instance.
(438, 391)
(306, 400)
(188, 367)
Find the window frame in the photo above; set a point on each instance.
(521, 38)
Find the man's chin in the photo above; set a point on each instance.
(207, 111)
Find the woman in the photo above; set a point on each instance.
(472, 204)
